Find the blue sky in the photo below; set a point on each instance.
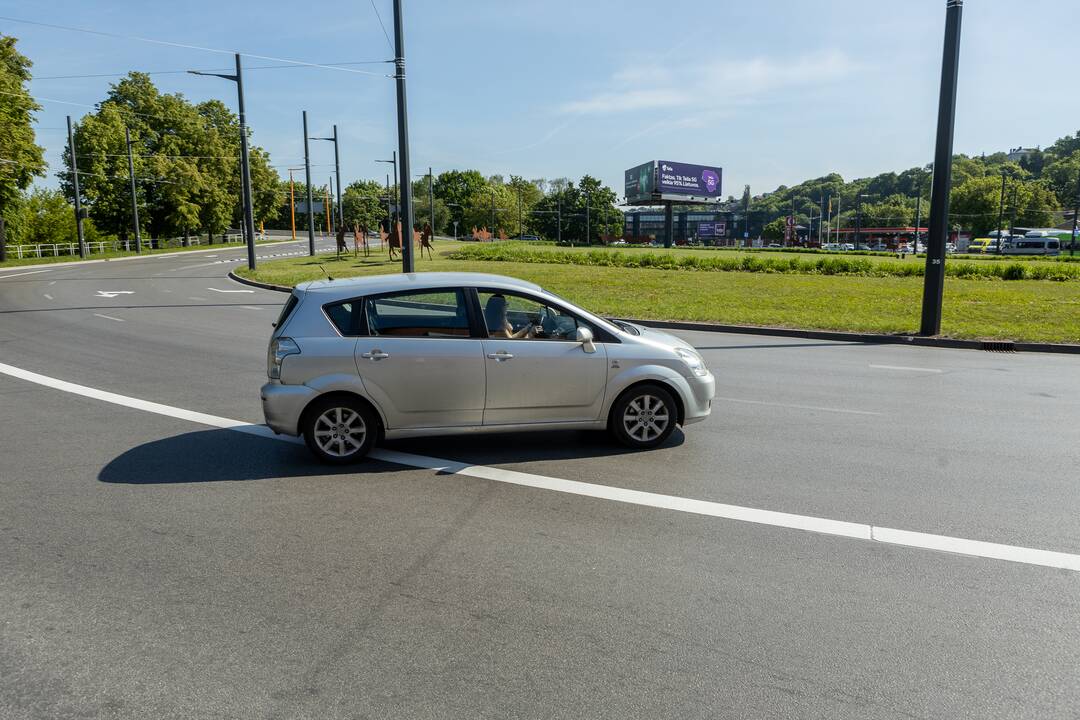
(773, 91)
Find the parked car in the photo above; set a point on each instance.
(352, 362)
(530, 238)
(774, 245)
(880, 247)
(846, 246)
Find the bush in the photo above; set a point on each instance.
(823, 265)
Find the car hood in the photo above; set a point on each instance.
(660, 338)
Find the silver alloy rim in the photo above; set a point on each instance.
(340, 432)
(646, 418)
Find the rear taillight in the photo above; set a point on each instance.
(280, 348)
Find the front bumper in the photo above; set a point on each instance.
(699, 401)
(283, 404)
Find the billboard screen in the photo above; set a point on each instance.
(701, 181)
(640, 183)
(711, 229)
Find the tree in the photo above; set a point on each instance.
(604, 217)
(45, 216)
(187, 163)
(1062, 175)
(775, 229)
(976, 203)
(21, 159)
(362, 204)
(459, 190)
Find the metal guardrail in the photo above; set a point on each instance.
(56, 249)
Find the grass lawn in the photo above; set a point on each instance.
(1022, 310)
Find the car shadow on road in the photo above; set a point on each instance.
(525, 447)
(220, 456)
(226, 455)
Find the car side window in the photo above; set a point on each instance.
(518, 317)
(422, 313)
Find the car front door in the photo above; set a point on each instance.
(536, 372)
(420, 361)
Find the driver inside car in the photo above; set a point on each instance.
(498, 321)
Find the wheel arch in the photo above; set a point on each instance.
(680, 408)
(343, 394)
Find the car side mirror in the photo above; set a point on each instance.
(585, 337)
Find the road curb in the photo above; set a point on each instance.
(255, 283)
(861, 338)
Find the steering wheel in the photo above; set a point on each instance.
(548, 324)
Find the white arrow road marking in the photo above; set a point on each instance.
(807, 523)
(230, 291)
(114, 293)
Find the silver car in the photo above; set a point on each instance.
(393, 356)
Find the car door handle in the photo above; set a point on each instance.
(375, 355)
(500, 356)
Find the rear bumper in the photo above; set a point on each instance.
(699, 402)
(283, 404)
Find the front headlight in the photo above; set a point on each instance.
(280, 348)
(693, 361)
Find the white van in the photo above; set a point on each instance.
(1035, 242)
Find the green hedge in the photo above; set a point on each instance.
(830, 265)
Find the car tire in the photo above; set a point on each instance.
(340, 430)
(643, 417)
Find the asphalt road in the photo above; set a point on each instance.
(156, 567)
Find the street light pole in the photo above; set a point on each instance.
(245, 160)
(558, 217)
(310, 201)
(292, 204)
(934, 277)
(403, 137)
(431, 200)
(588, 239)
(75, 185)
(1076, 215)
(521, 226)
(1001, 211)
(134, 196)
(492, 213)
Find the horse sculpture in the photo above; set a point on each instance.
(425, 241)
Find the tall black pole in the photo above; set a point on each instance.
(588, 240)
(431, 199)
(746, 210)
(406, 210)
(245, 168)
(493, 213)
(858, 219)
(669, 224)
(934, 280)
(1076, 216)
(310, 201)
(134, 194)
(389, 209)
(521, 225)
(337, 173)
(1001, 212)
(75, 185)
(3, 240)
(558, 220)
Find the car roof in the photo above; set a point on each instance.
(374, 284)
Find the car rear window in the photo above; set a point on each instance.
(425, 313)
(346, 316)
(286, 311)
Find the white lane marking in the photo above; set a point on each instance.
(230, 291)
(108, 317)
(113, 293)
(809, 523)
(250, 307)
(192, 297)
(797, 407)
(52, 283)
(32, 272)
(904, 367)
(48, 296)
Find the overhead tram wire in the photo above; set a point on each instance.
(385, 34)
(184, 72)
(186, 46)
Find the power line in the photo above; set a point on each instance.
(385, 34)
(182, 72)
(186, 46)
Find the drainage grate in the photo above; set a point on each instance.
(999, 346)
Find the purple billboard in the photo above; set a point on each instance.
(700, 181)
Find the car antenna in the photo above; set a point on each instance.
(328, 278)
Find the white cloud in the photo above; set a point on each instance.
(711, 85)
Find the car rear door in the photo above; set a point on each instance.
(420, 361)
